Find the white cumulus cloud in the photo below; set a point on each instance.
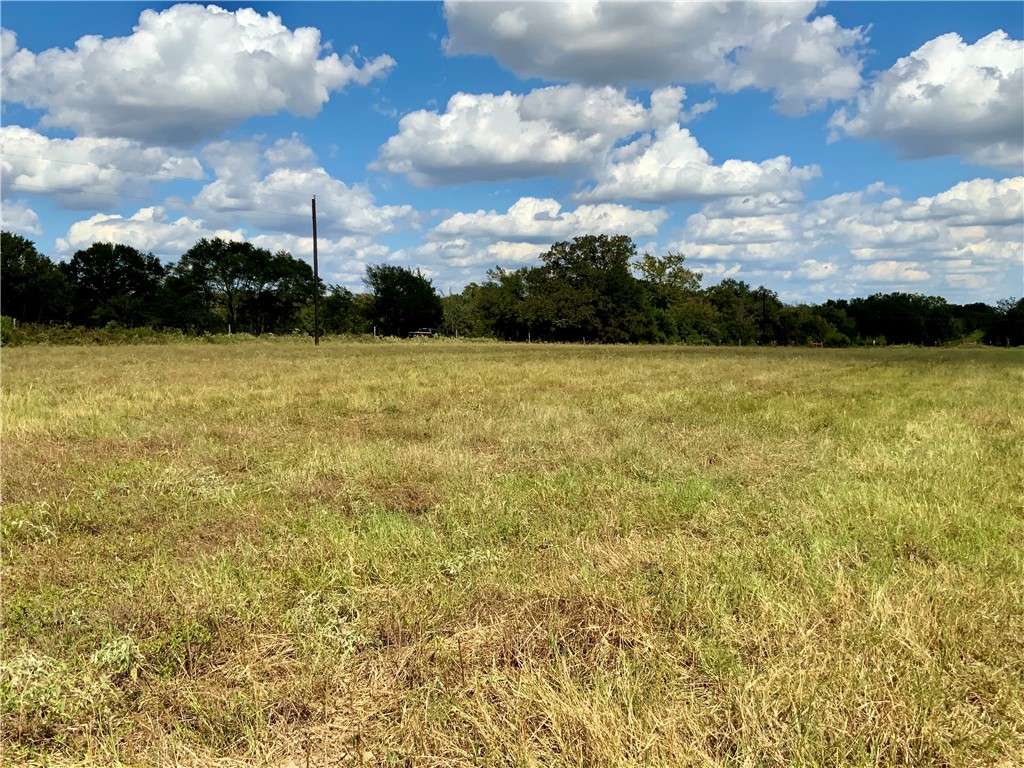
(813, 269)
(183, 75)
(671, 166)
(85, 172)
(948, 97)
(965, 239)
(733, 45)
(149, 229)
(16, 216)
(892, 274)
(977, 202)
(271, 188)
(460, 252)
(487, 137)
(536, 220)
(342, 260)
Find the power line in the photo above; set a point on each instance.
(66, 191)
(106, 167)
(163, 202)
(112, 167)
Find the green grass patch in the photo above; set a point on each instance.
(402, 553)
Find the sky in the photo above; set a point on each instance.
(823, 150)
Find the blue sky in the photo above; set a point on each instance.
(822, 150)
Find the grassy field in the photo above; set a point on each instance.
(451, 554)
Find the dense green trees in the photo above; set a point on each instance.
(501, 304)
(460, 317)
(594, 288)
(1008, 324)
(585, 290)
(904, 318)
(402, 300)
(34, 288)
(673, 293)
(231, 285)
(216, 286)
(341, 311)
(113, 283)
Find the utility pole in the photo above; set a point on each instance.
(316, 284)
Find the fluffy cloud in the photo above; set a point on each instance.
(491, 137)
(149, 229)
(734, 45)
(753, 205)
(256, 183)
(271, 188)
(85, 172)
(152, 86)
(947, 98)
(812, 269)
(16, 216)
(488, 137)
(342, 261)
(261, 192)
(978, 202)
(595, 111)
(534, 220)
(459, 252)
(453, 263)
(888, 273)
(671, 165)
(963, 239)
(462, 244)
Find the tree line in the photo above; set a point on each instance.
(595, 288)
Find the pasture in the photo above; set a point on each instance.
(436, 553)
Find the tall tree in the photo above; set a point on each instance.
(34, 288)
(113, 283)
(502, 304)
(220, 267)
(235, 285)
(904, 318)
(340, 312)
(586, 290)
(274, 289)
(836, 311)
(461, 312)
(975, 319)
(403, 300)
(188, 301)
(672, 290)
(1008, 326)
(738, 309)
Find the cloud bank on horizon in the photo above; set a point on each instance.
(822, 151)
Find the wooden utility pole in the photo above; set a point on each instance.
(316, 284)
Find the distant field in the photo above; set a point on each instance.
(432, 553)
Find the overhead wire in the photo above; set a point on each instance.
(66, 191)
(163, 202)
(103, 166)
(167, 202)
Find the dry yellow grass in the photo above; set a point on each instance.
(443, 554)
